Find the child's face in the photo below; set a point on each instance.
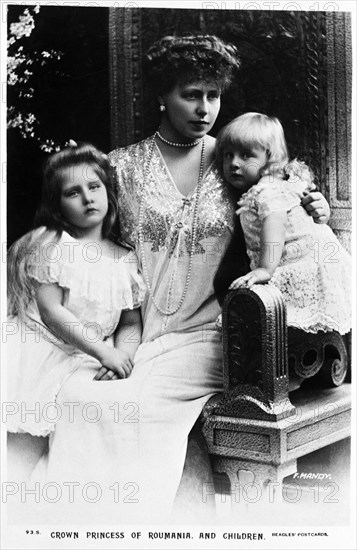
(84, 200)
(241, 167)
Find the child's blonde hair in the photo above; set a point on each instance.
(26, 250)
(256, 129)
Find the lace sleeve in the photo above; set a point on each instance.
(275, 195)
(49, 260)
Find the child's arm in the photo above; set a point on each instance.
(272, 239)
(65, 325)
(127, 338)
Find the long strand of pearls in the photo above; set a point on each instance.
(194, 232)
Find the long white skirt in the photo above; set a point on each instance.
(122, 444)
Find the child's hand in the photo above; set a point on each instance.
(106, 374)
(116, 361)
(259, 275)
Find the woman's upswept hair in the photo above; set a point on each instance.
(259, 130)
(190, 58)
(59, 165)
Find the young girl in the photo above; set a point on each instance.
(303, 259)
(72, 294)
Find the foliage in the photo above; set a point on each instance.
(57, 68)
(24, 63)
(58, 89)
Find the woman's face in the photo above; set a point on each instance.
(191, 110)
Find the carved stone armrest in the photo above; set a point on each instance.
(259, 351)
(255, 359)
(256, 430)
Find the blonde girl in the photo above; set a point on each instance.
(285, 247)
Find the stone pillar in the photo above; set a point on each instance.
(125, 76)
(339, 87)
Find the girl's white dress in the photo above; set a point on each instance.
(97, 288)
(314, 274)
(138, 442)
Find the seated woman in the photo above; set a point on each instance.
(176, 212)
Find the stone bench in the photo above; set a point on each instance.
(258, 428)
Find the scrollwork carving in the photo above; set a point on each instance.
(323, 354)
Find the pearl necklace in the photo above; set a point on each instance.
(194, 232)
(173, 144)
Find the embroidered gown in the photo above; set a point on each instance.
(314, 274)
(178, 366)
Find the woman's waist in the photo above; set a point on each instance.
(191, 317)
(181, 337)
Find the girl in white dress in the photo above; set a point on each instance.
(176, 211)
(303, 259)
(73, 293)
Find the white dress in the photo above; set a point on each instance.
(97, 288)
(314, 273)
(140, 439)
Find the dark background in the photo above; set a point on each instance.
(282, 74)
(70, 100)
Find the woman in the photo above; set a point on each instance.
(176, 212)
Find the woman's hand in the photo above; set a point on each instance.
(259, 275)
(317, 206)
(114, 361)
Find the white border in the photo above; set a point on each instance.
(339, 537)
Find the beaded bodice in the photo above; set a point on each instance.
(167, 230)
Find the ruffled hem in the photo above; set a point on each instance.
(126, 291)
(42, 422)
(110, 283)
(30, 429)
(317, 323)
(317, 296)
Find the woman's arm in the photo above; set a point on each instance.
(65, 325)
(127, 339)
(128, 334)
(272, 239)
(317, 206)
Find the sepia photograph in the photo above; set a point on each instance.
(178, 251)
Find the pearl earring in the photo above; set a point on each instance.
(162, 108)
